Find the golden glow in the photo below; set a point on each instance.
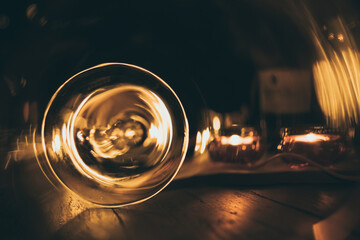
(311, 137)
(56, 143)
(198, 141)
(129, 133)
(340, 37)
(159, 133)
(236, 140)
(161, 112)
(69, 148)
(63, 132)
(337, 79)
(216, 123)
(204, 140)
(80, 136)
(153, 131)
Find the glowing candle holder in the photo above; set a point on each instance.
(321, 145)
(237, 145)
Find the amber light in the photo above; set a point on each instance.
(336, 75)
(236, 140)
(244, 147)
(326, 148)
(311, 137)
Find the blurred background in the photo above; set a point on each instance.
(219, 45)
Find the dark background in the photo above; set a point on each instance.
(206, 50)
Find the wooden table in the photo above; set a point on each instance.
(197, 208)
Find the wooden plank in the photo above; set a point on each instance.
(315, 199)
(198, 208)
(198, 213)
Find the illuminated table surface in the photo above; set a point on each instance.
(212, 207)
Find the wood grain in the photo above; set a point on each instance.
(197, 208)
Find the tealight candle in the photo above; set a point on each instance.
(318, 144)
(241, 146)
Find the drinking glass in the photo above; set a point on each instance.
(114, 134)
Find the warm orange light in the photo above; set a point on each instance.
(104, 142)
(236, 140)
(340, 37)
(337, 78)
(311, 137)
(56, 143)
(198, 141)
(204, 140)
(153, 131)
(216, 123)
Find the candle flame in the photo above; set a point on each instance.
(236, 140)
(311, 137)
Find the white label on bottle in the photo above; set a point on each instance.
(285, 91)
